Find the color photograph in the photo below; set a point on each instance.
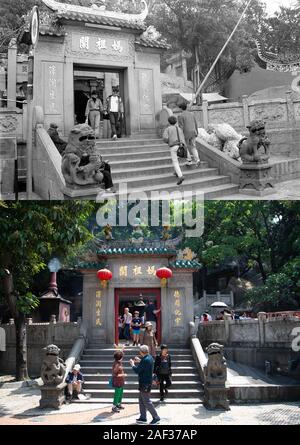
(149, 215)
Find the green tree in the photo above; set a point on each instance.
(30, 234)
(266, 234)
(202, 27)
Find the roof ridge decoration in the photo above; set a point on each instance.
(277, 62)
(95, 10)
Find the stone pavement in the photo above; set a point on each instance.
(288, 190)
(20, 406)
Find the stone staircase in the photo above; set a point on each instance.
(143, 162)
(96, 363)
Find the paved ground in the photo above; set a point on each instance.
(21, 407)
(288, 190)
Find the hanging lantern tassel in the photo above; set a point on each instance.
(164, 282)
(164, 274)
(104, 276)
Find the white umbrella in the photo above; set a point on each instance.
(218, 304)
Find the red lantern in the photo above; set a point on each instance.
(104, 276)
(164, 274)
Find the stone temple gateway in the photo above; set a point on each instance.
(92, 42)
(134, 276)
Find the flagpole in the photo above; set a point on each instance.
(221, 52)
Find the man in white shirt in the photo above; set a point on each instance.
(115, 110)
(127, 319)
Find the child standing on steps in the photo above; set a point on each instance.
(118, 381)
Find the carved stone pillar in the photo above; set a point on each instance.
(262, 317)
(256, 179)
(205, 114)
(215, 376)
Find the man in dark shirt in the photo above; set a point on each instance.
(151, 314)
(144, 369)
(59, 143)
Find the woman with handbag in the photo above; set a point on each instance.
(174, 137)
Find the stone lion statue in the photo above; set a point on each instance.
(81, 164)
(53, 368)
(216, 369)
(215, 376)
(255, 148)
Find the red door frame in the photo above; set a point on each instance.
(155, 293)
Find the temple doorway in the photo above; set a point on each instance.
(102, 80)
(136, 300)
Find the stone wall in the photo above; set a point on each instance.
(277, 113)
(253, 342)
(38, 336)
(266, 333)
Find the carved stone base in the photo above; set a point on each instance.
(216, 398)
(83, 193)
(256, 179)
(52, 397)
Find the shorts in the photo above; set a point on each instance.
(136, 331)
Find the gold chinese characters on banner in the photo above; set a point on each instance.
(178, 309)
(137, 271)
(98, 308)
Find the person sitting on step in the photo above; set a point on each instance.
(74, 381)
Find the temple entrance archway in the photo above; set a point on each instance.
(103, 79)
(130, 298)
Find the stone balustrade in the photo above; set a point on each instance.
(39, 335)
(276, 113)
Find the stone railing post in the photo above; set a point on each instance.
(245, 110)
(205, 114)
(290, 108)
(227, 319)
(262, 318)
(12, 74)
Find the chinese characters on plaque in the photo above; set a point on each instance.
(52, 86)
(98, 44)
(137, 271)
(53, 93)
(177, 314)
(98, 308)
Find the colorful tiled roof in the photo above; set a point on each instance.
(138, 251)
(185, 264)
(91, 266)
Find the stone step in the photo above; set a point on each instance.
(137, 155)
(134, 401)
(165, 169)
(143, 164)
(99, 356)
(214, 188)
(103, 384)
(134, 393)
(210, 193)
(104, 362)
(107, 369)
(169, 181)
(110, 349)
(105, 376)
(129, 151)
(128, 142)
